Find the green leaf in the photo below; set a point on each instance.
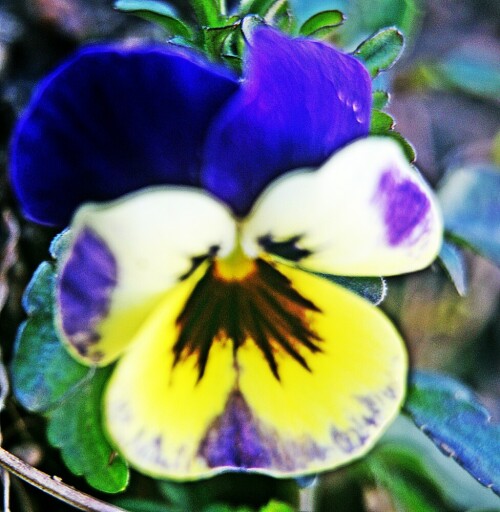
(449, 414)
(226, 508)
(208, 12)
(76, 428)
(454, 486)
(276, 506)
(470, 201)
(365, 17)
(473, 70)
(39, 293)
(157, 12)
(453, 262)
(250, 490)
(400, 471)
(373, 289)
(280, 16)
(380, 99)
(259, 7)
(215, 38)
(43, 373)
(380, 123)
(140, 505)
(322, 23)
(381, 51)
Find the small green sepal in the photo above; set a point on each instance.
(373, 289)
(156, 12)
(380, 123)
(406, 146)
(322, 24)
(381, 51)
(380, 99)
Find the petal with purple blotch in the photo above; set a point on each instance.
(124, 259)
(365, 212)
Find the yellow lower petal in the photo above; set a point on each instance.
(158, 413)
(313, 413)
(319, 419)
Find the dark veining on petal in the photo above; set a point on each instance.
(363, 425)
(405, 207)
(84, 289)
(263, 307)
(287, 249)
(196, 261)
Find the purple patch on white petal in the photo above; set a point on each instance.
(234, 440)
(405, 207)
(84, 289)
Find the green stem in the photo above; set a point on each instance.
(206, 12)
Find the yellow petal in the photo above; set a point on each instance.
(262, 405)
(317, 419)
(158, 412)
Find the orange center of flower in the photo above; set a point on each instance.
(235, 267)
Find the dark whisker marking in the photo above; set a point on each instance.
(283, 285)
(294, 324)
(281, 339)
(287, 249)
(191, 325)
(196, 261)
(262, 341)
(262, 306)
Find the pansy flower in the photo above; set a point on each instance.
(197, 258)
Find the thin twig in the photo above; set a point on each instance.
(6, 490)
(4, 393)
(52, 486)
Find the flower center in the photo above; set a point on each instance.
(235, 267)
(244, 300)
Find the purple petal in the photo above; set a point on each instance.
(300, 102)
(113, 120)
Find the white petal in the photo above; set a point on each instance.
(365, 212)
(125, 256)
